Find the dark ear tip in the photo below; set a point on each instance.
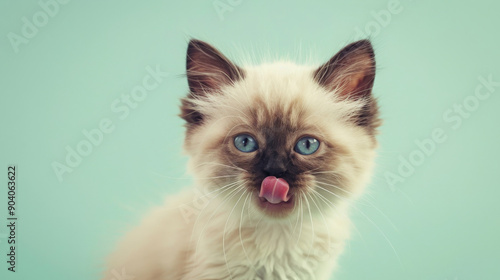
(366, 42)
(194, 42)
(365, 45)
(194, 47)
(198, 44)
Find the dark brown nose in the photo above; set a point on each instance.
(275, 167)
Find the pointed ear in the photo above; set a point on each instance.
(351, 71)
(208, 69)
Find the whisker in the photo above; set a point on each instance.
(376, 226)
(222, 190)
(381, 232)
(297, 222)
(334, 194)
(224, 231)
(301, 220)
(324, 220)
(337, 187)
(241, 238)
(217, 190)
(221, 164)
(234, 165)
(216, 177)
(190, 177)
(334, 208)
(367, 201)
(312, 223)
(383, 214)
(230, 195)
(342, 197)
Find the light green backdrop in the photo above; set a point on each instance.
(435, 218)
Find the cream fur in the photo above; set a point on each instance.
(210, 232)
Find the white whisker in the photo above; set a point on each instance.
(334, 208)
(312, 223)
(221, 190)
(224, 231)
(324, 220)
(301, 220)
(241, 221)
(230, 195)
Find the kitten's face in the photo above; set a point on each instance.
(278, 136)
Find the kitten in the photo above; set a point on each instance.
(278, 151)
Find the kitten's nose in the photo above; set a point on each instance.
(275, 167)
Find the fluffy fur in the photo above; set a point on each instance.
(221, 229)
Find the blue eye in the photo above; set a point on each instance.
(245, 143)
(306, 145)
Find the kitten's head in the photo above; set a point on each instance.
(276, 135)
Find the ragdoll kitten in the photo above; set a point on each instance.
(278, 151)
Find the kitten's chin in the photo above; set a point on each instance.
(276, 210)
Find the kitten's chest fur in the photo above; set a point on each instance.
(300, 249)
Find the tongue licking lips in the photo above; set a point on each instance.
(274, 190)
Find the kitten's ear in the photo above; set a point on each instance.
(208, 69)
(351, 71)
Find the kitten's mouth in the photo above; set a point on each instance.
(274, 196)
(274, 190)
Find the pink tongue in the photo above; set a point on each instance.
(274, 190)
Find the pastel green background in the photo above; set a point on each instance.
(441, 222)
